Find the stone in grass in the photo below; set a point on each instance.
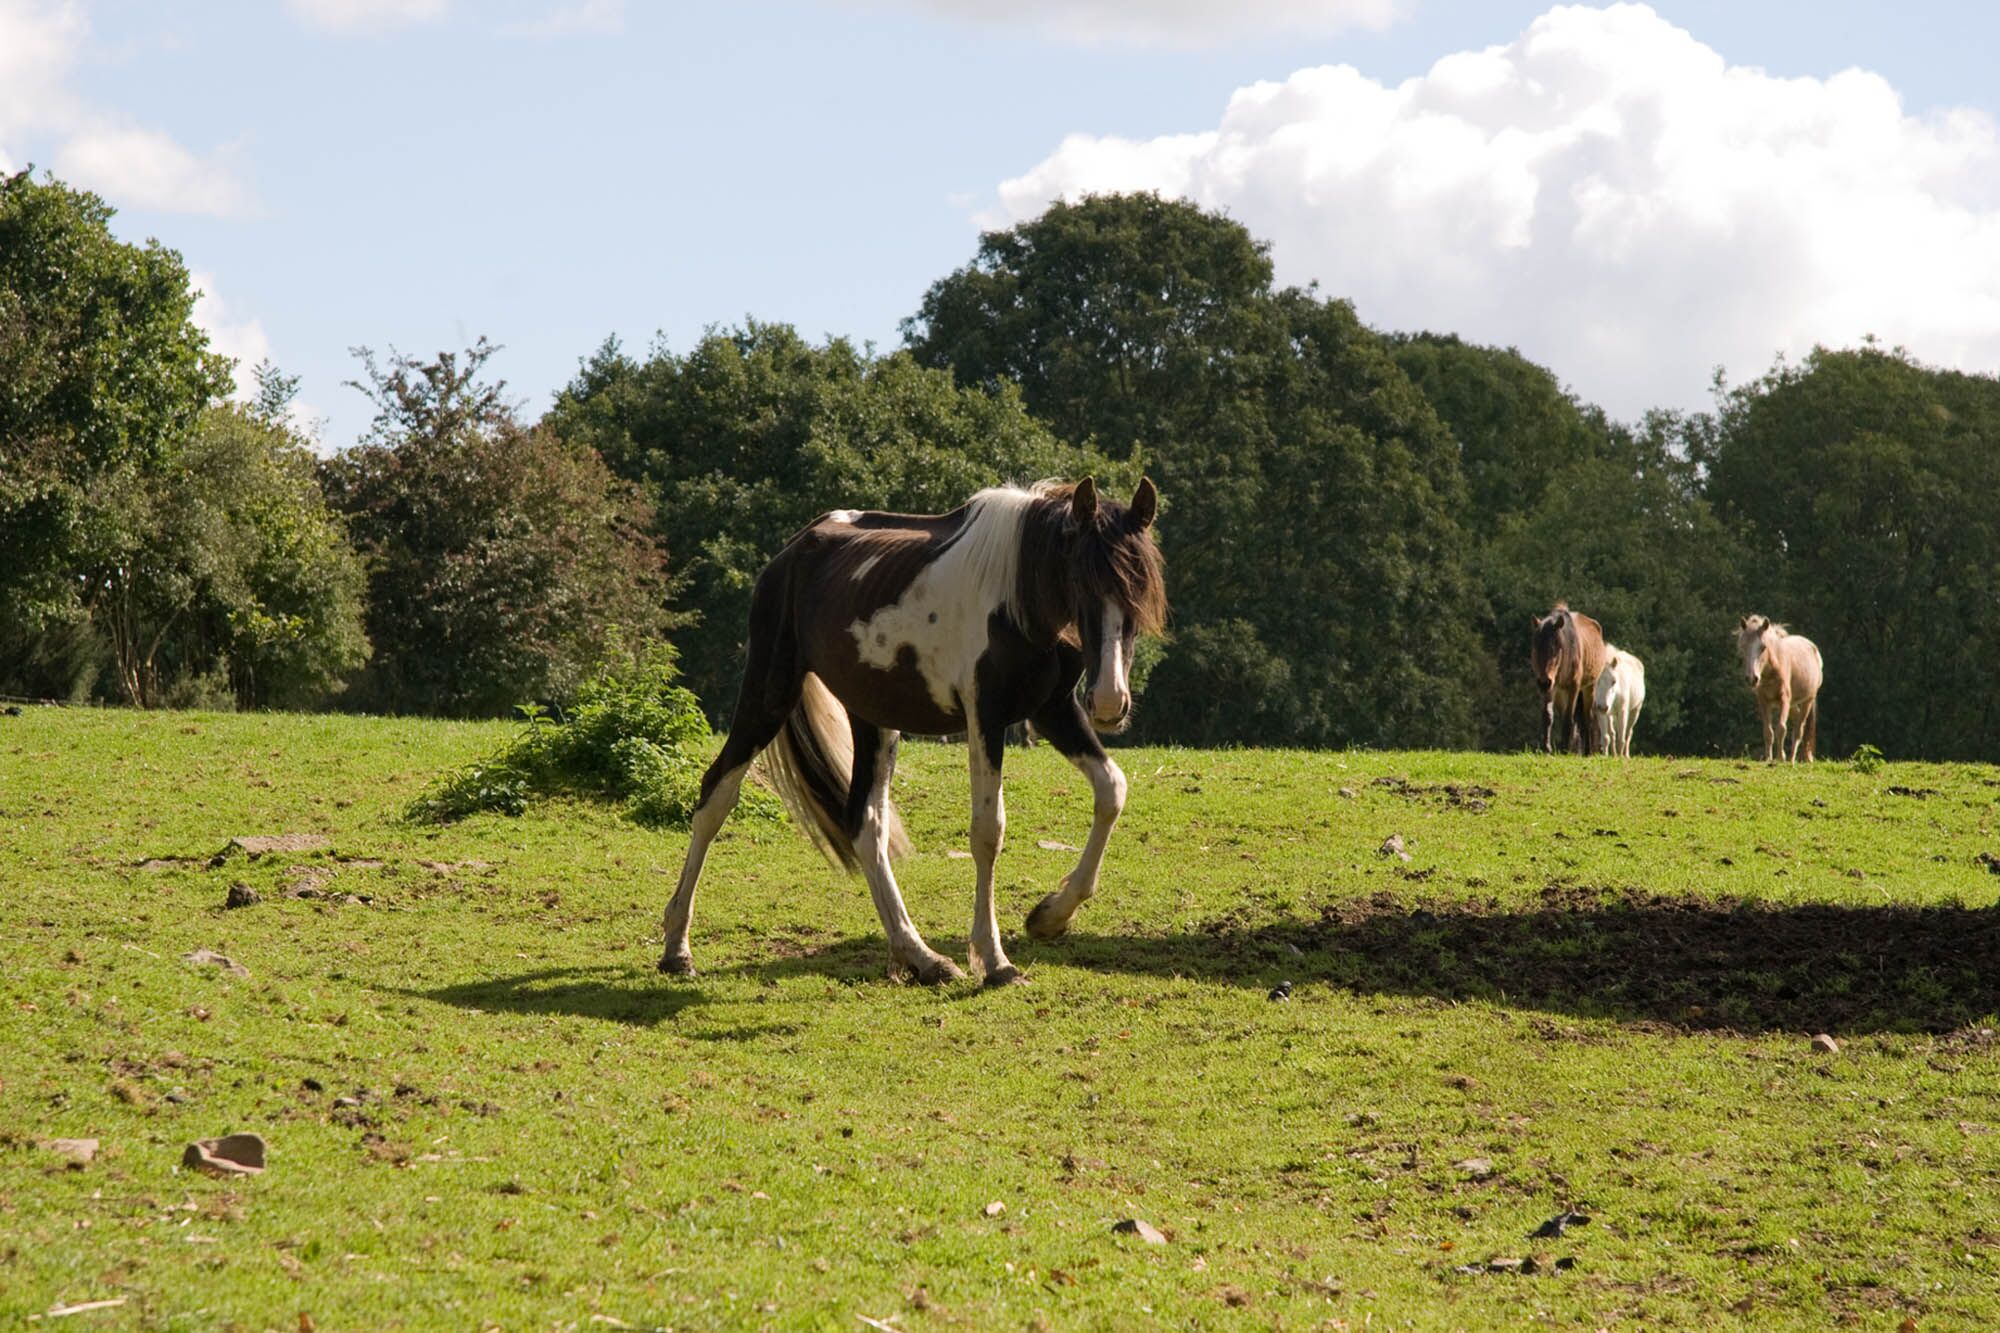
(210, 958)
(240, 895)
(1478, 1168)
(78, 1153)
(995, 1208)
(1393, 846)
(1144, 1230)
(230, 1155)
(1826, 1044)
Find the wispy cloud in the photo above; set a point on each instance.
(582, 17)
(93, 146)
(1605, 192)
(1170, 23)
(366, 16)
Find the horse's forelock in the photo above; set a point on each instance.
(1117, 560)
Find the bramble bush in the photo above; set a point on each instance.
(632, 735)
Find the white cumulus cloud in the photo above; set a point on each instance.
(1608, 194)
(366, 16)
(1174, 23)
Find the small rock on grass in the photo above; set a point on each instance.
(230, 1155)
(1826, 1044)
(1558, 1224)
(79, 1152)
(1393, 846)
(210, 958)
(240, 895)
(995, 1208)
(1479, 1168)
(1144, 1230)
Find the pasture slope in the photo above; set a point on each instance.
(1592, 987)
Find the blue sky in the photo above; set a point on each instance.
(417, 173)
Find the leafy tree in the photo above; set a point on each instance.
(755, 432)
(1314, 538)
(102, 374)
(1863, 482)
(502, 559)
(229, 580)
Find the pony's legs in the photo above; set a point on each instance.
(868, 812)
(1549, 724)
(770, 690)
(755, 725)
(1607, 731)
(1812, 728)
(1063, 724)
(984, 749)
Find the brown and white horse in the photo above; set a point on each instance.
(1785, 670)
(868, 625)
(1566, 656)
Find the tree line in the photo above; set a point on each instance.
(1358, 525)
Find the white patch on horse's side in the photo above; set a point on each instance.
(942, 615)
(861, 570)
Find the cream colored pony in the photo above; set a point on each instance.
(1785, 670)
(1621, 693)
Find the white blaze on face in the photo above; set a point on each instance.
(1110, 688)
(1753, 654)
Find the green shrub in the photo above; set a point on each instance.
(632, 736)
(1866, 759)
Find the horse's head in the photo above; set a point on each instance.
(1545, 647)
(1750, 636)
(1118, 591)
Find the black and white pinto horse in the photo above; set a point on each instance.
(868, 625)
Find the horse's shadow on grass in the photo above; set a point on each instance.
(1694, 963)
(638, 997)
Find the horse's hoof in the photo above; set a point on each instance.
(936, 971)
(1006, 976)
(678, 965)
(1045, 921)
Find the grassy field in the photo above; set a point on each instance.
(1592, 987)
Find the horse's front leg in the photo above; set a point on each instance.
(1064, 725)
(1549, 725)
(985, 745)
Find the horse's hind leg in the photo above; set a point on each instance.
(1812, 728)
(868, 820)
(769, 692)
(1064, 725)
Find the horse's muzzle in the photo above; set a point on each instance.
(1112, 726)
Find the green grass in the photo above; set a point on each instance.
(1601, 978)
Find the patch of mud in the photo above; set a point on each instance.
(1465, 796)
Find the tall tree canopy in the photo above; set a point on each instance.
(102, 374)
(1313, 531)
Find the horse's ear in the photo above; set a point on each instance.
(1083, 501)
(1145, 503)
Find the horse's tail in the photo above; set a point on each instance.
(811, 763)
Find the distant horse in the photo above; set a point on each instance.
(1785, 670)
(867, 625)
(1566, 656)
(1621, 693)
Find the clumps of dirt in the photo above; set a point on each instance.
(1686, 961)
(1468, 797)
(1916, 793)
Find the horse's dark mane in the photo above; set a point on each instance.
(1113, 557)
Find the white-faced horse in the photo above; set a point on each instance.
(868, 625)
(1785, 670)
(1621, 693)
